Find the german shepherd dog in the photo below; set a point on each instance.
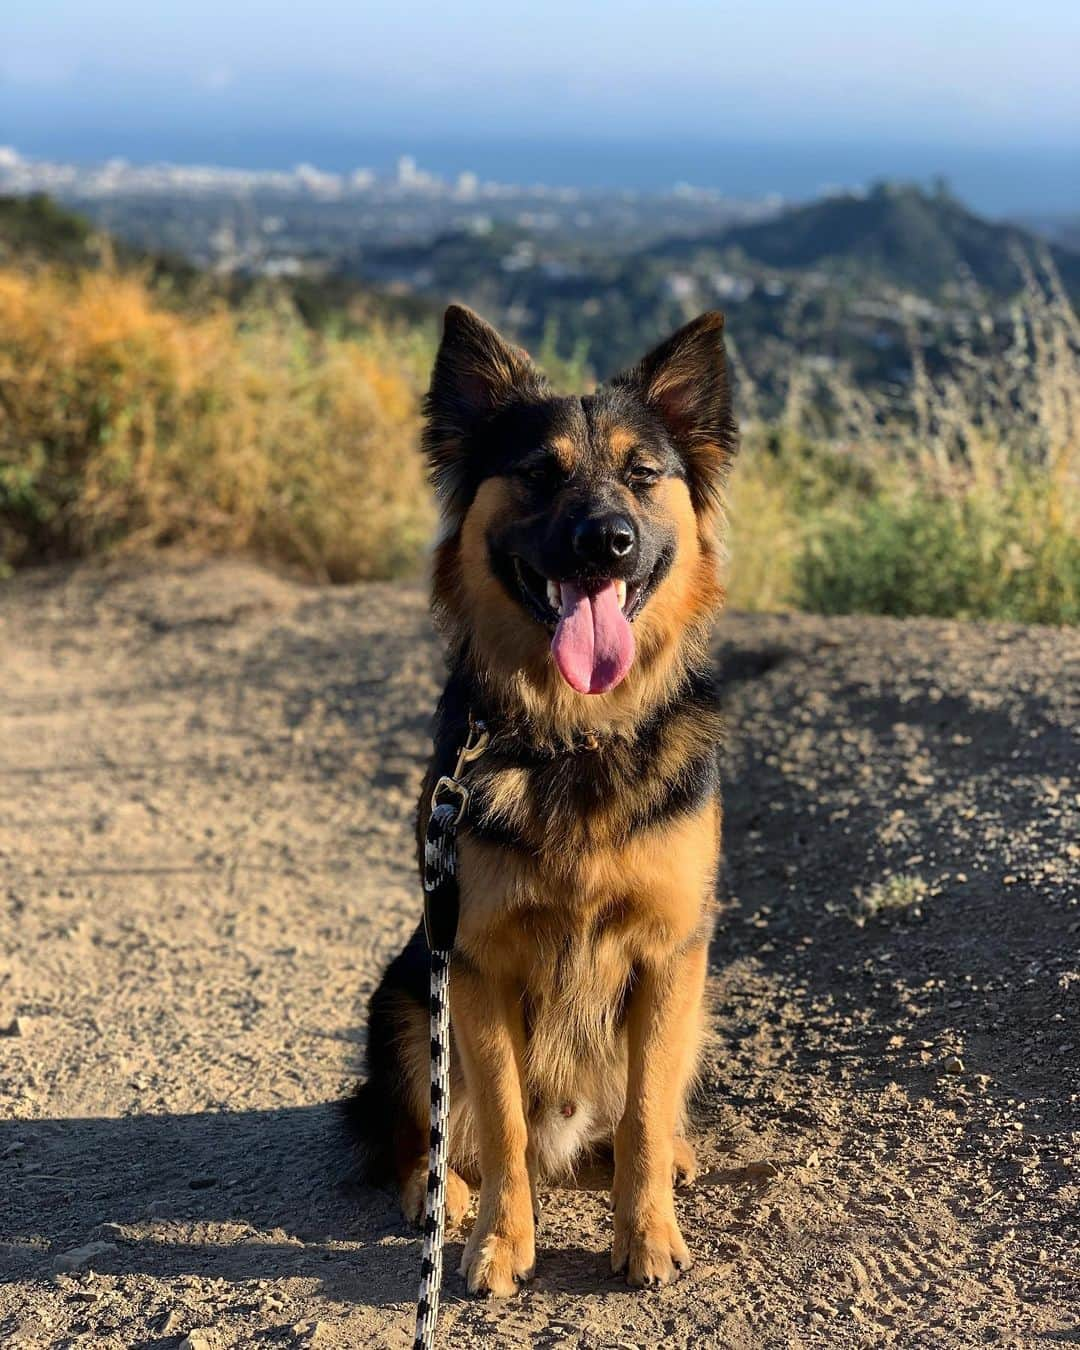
(575, 583)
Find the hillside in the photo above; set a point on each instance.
(244, 414)
(36, 228)
(896, 233)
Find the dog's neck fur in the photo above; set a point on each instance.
(514, 711)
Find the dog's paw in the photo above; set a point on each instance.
(651, 1253)
(684, 1169)
(414, 1197)
(497, 1265)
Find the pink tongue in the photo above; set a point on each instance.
(593, 645)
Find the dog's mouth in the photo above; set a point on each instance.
(544, 597)
(589, 619)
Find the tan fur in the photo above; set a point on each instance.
(568, 940)
(565, 450)
(579, 966)
(555, 948)
(414, 1195)
(672, 630)
(620, 441)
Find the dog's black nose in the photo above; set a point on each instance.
(605, 541)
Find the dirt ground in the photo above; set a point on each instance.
(207, 778)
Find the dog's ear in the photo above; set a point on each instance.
(476, 373)
(685, 382)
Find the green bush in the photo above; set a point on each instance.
(971, 558)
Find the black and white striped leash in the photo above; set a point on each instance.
(449, 802)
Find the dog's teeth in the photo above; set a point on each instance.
(620, 593)
(555, 596)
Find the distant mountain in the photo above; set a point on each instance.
(913, 238)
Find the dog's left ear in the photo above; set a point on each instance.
(477, 372)
(685, 382)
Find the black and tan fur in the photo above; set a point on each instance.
(587, 864)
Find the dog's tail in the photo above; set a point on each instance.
(369, 1128)
(380, 1117)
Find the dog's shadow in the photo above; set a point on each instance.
(235, 1195)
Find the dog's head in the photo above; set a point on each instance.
(579, 534)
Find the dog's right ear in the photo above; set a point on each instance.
(476, 373)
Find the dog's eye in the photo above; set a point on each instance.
(642, 475)
(542, 472)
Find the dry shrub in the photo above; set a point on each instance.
(962, 499)
(126, 424)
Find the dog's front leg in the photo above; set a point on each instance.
(490, 1035)
(662, 1029)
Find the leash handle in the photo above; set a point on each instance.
(427, 1302)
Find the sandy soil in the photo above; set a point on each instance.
(207, 778)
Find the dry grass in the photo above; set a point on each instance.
(962, 500)
(125, 424)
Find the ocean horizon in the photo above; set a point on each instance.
(1006, 181)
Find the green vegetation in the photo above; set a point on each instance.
(884, 546)
(974, 558)
(899, 895)
(136, 413)
(851, 279)
(35, 227)
(965, 504)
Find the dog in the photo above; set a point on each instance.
(575, 582)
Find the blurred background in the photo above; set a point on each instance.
(227, 235)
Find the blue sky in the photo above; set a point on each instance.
(974, 74)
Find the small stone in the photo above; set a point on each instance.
(198, 1339)
(169, 1323)
(952, 1064)
(12, 1028)
(202, 1183)
(310, 1333)
(761, 1170)
(78, 1257)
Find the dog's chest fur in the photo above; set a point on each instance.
(579, 863)
(577, 868)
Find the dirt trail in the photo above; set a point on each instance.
(207, 778)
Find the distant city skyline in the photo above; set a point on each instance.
(1005, 183)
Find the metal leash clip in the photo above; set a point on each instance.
(451, 784)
